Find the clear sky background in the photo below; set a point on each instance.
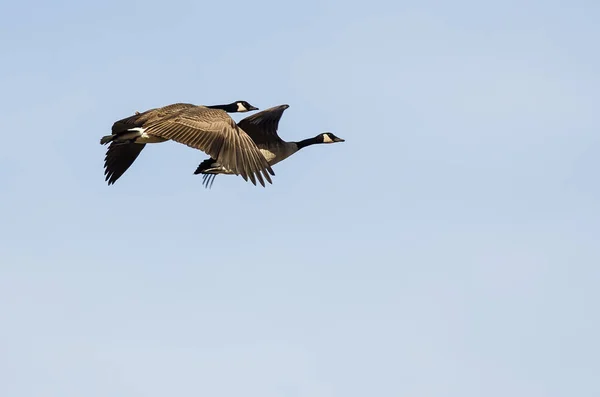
(450, 247)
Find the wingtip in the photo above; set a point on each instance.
(252, 178)
(260, 178)
(267, 177)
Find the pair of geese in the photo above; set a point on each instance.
(248, 148)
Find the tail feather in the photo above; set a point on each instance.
(106, 139)
(123, 127)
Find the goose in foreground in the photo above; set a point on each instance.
(207, 128)
(262, 128)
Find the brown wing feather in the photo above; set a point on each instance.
(215, 133)
(148, 116)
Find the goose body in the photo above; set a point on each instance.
(262, 128)
(273, 155)
(207, 128)
(276, 153)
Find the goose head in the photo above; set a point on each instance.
(235, 107)
(243, 106)
(328, 137)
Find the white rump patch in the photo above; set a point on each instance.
(140, 136)
(139, 130)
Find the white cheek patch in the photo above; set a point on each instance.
(241, 108)
(327, 139)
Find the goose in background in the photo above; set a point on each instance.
(262, 128)
(207, 128)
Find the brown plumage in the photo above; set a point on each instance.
(215, 133)
(262, 128)
(209, 129)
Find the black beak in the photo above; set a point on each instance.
(339, 140)
(253, 108)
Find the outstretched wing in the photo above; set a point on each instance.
(216, 134)
(119, 158)
(262, 126)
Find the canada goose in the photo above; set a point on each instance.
(262, 128)
(207, 128)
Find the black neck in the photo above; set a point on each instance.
(230, 108)
(306, 142)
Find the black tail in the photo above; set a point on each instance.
(122, 126)
(107, 138)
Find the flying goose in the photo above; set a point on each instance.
(207, 128)
(262, 128)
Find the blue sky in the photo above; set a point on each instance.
(448, 248)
